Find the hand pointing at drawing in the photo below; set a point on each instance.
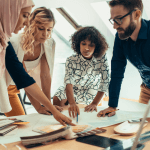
(110, 111)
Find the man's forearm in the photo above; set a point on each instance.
(114, 91)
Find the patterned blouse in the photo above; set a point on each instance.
(87, 77)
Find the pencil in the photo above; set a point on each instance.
(77, 118)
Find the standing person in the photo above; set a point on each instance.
(13, 16)
(87, 74)
(132, 43)
(35, 47)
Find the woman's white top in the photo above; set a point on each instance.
(33, 64)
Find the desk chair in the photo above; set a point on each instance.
(24, 99)
(22, 102)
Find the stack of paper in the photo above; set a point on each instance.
(6, 126)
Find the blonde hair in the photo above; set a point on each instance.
(40, 15)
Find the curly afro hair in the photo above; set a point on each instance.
(92, 34)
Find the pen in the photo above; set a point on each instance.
(77, 118)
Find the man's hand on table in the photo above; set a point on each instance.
(110, 110)
(74, 110)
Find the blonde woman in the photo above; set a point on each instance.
(35, 49)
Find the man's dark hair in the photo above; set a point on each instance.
(128, 4)
(93, 35)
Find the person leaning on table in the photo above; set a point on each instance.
(132, 42)
(14, 16)
(37, 58)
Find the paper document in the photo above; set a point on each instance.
(90, 118)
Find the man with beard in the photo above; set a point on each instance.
(132, 42)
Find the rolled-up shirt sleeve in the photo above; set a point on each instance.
(69, 72)
(104, 70)
(16, 70)
(118, 66)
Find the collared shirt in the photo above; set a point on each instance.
(85, 74)
(137, 52)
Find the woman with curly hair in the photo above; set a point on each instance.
(35, 48)
(87, 73)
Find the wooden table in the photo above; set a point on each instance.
(74, 145)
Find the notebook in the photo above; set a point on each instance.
(7, 129)
(5, 123)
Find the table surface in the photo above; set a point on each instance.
(74, 145)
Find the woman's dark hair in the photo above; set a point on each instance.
(128, 4)
(93, 35)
